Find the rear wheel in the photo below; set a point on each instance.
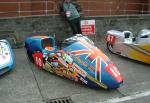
(110, 47)
(38, 59)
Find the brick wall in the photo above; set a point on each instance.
(149, 7)
(9, 8)
(113, 7)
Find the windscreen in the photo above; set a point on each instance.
(47, 43)
(76, 38)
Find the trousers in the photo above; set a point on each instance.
(75, 26)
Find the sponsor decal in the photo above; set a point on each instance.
(79, 70)
(97, 82)
(84, 64)
(83, 80)
(67, 58)
(81, 62)
(47, 66)
(72, 71)
(62, 62)
(0, 50)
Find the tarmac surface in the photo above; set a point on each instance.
(28, 84)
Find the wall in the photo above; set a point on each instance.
(13, 8)
(111, 7)
(55, 25)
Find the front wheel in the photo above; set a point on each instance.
(110, 47)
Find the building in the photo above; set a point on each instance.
(15, 8)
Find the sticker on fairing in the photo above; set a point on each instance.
(1, 50)
(4, 53)
(79, 70)
(67, 58)
(62, 62)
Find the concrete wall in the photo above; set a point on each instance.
(56, 25)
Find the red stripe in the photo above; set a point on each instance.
(98, 68)
(81, 52)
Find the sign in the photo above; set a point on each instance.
(88, 27)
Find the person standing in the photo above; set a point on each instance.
(71, 11)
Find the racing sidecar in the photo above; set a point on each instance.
(6, 57)
(77, 59)
(125, 44)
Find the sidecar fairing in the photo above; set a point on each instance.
(125, 44)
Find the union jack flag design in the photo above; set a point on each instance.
(94, 55)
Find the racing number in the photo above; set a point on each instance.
(114, 72)
(111, 39)
(38, 59)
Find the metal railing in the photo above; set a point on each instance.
(51, 8)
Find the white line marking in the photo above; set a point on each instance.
(126, 98)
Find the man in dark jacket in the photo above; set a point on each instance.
(71, 11)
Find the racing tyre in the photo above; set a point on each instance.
(110, 47)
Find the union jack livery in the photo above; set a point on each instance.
(77, 59)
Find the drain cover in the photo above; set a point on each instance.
(60, 100)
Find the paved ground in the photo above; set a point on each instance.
(27, 84)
